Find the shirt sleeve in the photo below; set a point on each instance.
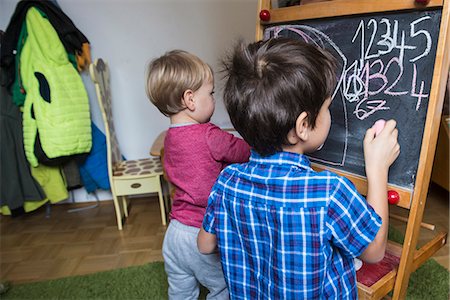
(351, 221)
(209, 218)
(225, 147)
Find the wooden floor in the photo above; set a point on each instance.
(35, 248)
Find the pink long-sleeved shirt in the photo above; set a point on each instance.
(194, 155)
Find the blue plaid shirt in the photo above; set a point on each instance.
(285, 231)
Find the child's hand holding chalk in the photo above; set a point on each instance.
(378, 126)
(381, 146)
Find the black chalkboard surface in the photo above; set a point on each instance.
(385, 71)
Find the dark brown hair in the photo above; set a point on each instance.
(270, 83)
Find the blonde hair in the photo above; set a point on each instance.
(170, 75)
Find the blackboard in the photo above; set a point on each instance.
(386, 64)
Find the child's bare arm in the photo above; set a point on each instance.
(206, 242)
(379, 154)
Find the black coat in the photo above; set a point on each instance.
(17, 185)
(68, 33)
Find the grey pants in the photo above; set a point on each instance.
(186, 267)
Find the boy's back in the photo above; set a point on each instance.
(194, 156)
(283, 230)
(181, 86)
(286, 231)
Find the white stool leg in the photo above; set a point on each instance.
(162, 206)
(125, 205)
(118, 211)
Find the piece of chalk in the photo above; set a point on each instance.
(378, 126)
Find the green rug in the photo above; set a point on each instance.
(430, 281)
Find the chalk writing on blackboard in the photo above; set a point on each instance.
(385, 71)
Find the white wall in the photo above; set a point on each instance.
(128, 34)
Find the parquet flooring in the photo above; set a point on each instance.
(36, 248)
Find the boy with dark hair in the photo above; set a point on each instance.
(283, 230)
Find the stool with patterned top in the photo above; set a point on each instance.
(127, 177)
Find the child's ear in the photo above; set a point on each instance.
(302, 126)
(188, 99)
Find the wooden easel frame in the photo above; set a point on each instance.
(410, 259)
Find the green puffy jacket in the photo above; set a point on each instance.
(56, 113)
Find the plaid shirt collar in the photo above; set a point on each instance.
(282, 158)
